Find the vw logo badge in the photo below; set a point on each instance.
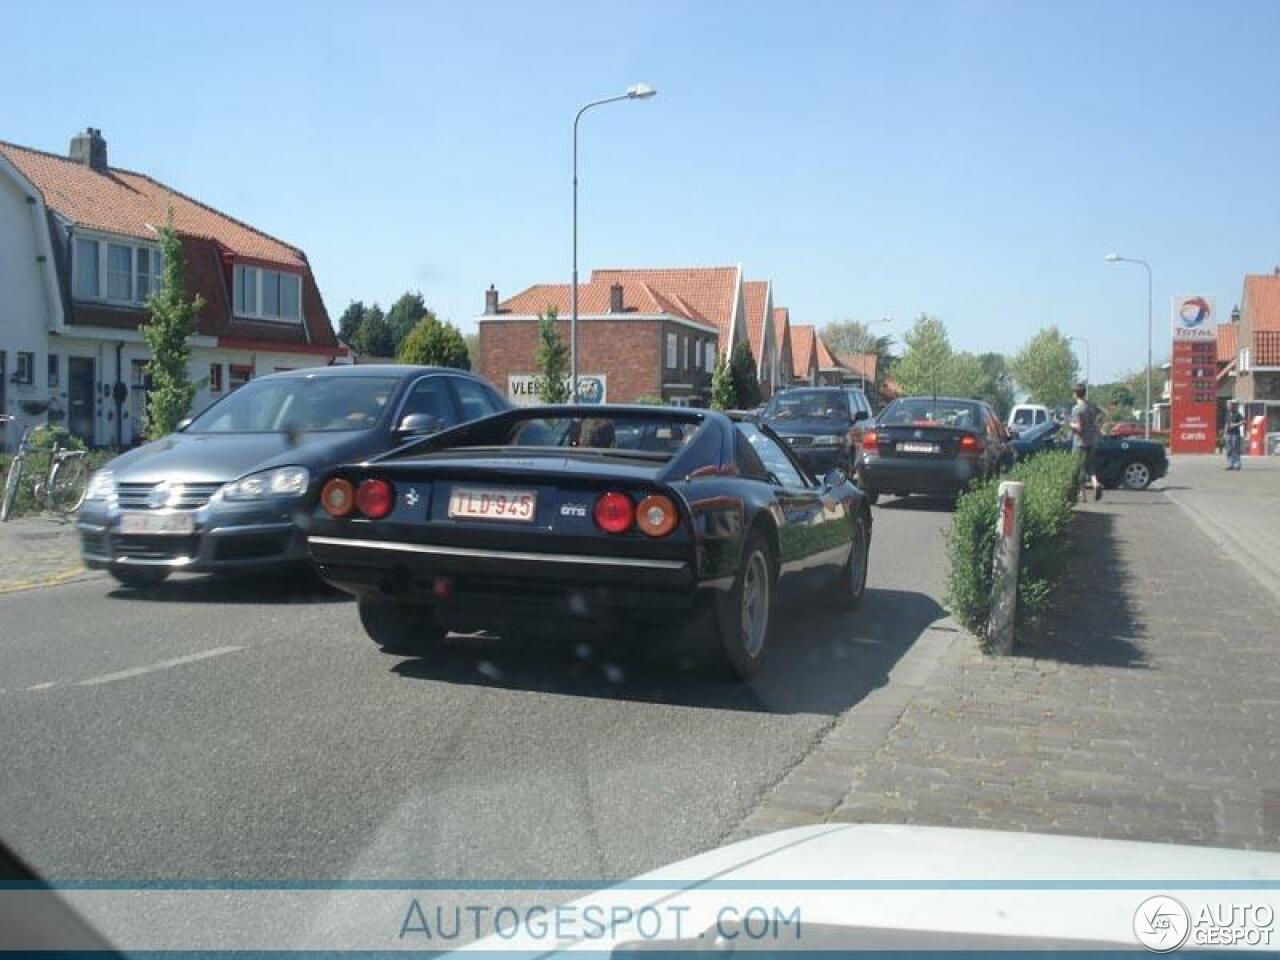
(919, 434)
(159, 495)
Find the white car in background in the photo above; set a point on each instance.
(1025, 415)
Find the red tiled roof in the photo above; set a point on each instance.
(710, 291)
(1262, 299)
(593, 299)
(862, 364)
(803, 338)
(782, 330)
(132, 204)
(1228, 341)
(755, 293)
(1266, 348)
(826, 360)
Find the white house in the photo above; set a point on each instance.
(79, 255)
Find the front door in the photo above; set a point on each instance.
(80, 397)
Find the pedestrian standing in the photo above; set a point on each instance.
(1086, 428)
(1233, 435)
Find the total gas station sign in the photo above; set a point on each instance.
(1193, 378)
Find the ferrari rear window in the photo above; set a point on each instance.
(656, 436)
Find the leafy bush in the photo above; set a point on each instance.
(1051, 481)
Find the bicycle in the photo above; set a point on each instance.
(62, 487)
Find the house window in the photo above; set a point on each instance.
(267, 294)
(691, 344)
(240, 375)
(215, 378)
(52, 370)
(120, 272)
(711, 355)
(26, 371)
(673, 351)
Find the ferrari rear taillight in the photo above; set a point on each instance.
(657, 516)
(375, 498)
(871, 441)
(338, 497)
(614, 512)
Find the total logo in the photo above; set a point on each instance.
(1194, 312)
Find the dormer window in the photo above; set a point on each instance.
(263, 294)
(126, 273)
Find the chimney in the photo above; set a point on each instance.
(491, 301)
(90, 149)
(615, 298)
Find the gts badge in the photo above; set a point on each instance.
(573, 510)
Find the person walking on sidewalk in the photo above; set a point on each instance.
(1086, 428)
(1233, 435)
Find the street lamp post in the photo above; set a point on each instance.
(1086, 356)
(639, 91)
(1116, 258)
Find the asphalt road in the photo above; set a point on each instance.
(245, 730)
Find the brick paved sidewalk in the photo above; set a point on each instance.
(37, 551)
(1146, 709)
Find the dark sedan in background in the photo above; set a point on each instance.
(603, 520)
(822, 425)
(1121, 461)
(934, 446)
(226, 490)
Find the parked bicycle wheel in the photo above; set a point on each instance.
(67, 484)
(11, 487)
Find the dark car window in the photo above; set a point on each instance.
(808, 405)
(773, 456)
(926, 411)
(312, 404)
(430, 395)
(748, 461)
(475, 400)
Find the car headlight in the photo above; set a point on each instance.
(831, 441)
(281, 482)
(102, 486)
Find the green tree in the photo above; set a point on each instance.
(373, 337)
(724, 395)
(553, 360)
(168, 335)
(350, 320)
(964, 376)
(1046, 367)
(997, 386)
(405, 314)
(851, 336)
(746, 385)
(473, 349)
(434, 343)
(922, 368)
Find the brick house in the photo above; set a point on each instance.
(804, 355)
(641, 333)
(1257, 359)
(79, 255)
(782, 337)
(757, 296)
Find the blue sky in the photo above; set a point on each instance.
(971, 160)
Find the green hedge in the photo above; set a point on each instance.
(1051, 483)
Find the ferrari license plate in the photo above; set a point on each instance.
(918, 447)
(487, 504)
(175, 524)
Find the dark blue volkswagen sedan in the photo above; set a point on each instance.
(226, 491)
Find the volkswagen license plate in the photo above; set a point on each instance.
(175, 524)
(918, 447)
(489, 504)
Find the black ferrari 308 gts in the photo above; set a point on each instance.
(548, 520)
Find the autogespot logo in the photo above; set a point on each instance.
(1193, 312)
(1161, 924)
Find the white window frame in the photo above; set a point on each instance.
(257, 313)
(103, 241)
(673, 351)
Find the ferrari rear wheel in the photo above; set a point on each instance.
(1137, 475)
(747, 613)
(400, 627)
(853, 579)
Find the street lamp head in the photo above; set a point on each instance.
(641, 91)
(1112, 258)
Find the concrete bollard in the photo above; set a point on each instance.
(1004, 571)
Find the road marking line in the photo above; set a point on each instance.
(44, 686)
(152, 668)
